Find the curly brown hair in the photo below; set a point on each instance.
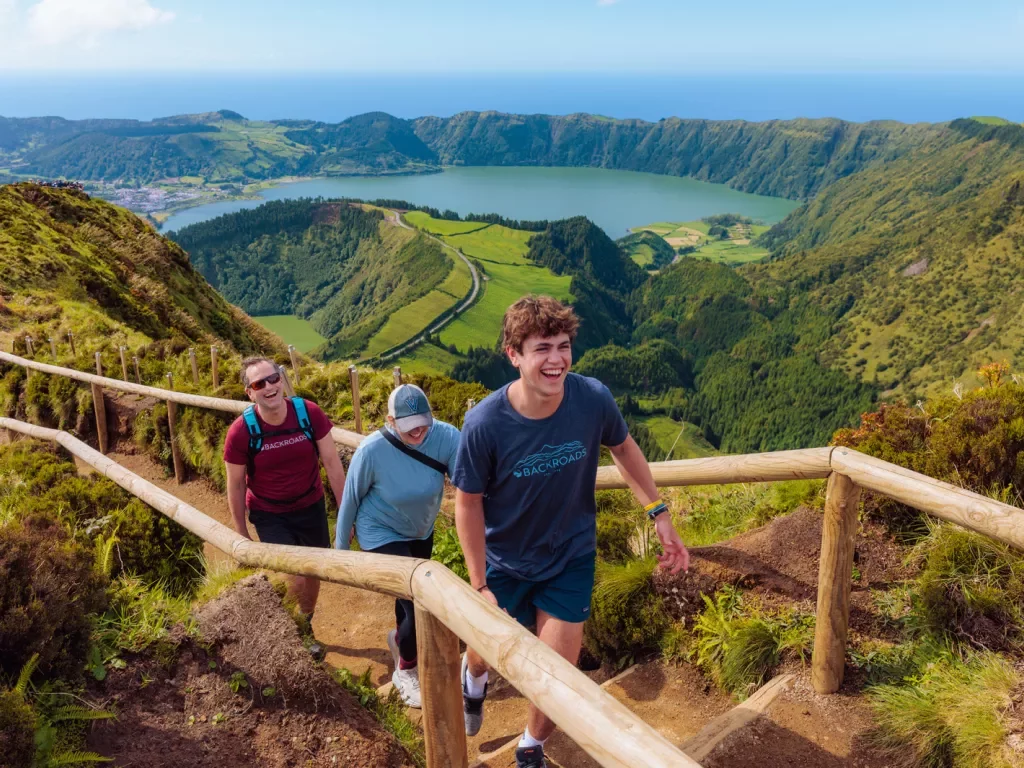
(540, 315)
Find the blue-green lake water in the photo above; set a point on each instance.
(614, 200)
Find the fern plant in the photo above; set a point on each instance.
(49, 718)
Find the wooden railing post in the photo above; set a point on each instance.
(99, 409)
(397, 373)
(124, 362)
(295, 363)
(195, 365)
(357, 416)
(214, 370)
(288, 388)
(71, 342)
(835, 572)
(172, 430)
(29, 347)
(53, 349)
(437, 650)
(135, 363)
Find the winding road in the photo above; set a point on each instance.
(396, 218)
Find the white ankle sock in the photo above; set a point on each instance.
(528, 740)
(475, 685)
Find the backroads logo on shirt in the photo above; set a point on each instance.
(549, 459)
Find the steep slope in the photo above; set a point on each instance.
(919, 262)
(84, 265)
(787, 158)
(343, 268)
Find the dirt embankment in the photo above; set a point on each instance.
(288, 713)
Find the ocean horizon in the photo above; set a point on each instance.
(332, 97)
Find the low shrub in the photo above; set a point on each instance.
(627, 617)
(740, 646)
(49, 591)
(953, 714)
(140, 618)
(35, 479)
(970, 588)
(17, 730)
(447, 548)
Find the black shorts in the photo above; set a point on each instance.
(306, 527)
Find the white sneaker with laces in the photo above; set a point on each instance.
(393, 645)
(407, 682)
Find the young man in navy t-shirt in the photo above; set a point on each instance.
(525, 508)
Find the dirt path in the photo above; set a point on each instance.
(800, 729)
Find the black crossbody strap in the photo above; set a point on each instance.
(420, 457)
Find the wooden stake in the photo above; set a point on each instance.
(397, 373)
(288, 388)
(28, 345)
(71, 341)
(53, 348)
(100, 409)
(357, 417)
(138, 377)
(99, 365)
(444, 732)
(295, 363)
(124, 362)
(214, 370)
(172, 430)
(195, 366)
(470, 403)
(835, 571)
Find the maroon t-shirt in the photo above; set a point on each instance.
(287, 467)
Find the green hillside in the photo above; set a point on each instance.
(350, 271)
(786, 158)
(114, 277)
(918, 263)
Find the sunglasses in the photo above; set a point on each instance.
(271, 379)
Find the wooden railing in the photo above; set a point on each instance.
(448, 609)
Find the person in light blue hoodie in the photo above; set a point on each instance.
(392, 496)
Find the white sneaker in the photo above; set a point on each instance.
(407, 682)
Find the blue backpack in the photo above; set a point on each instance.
(256, 435)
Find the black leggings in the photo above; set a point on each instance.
(405, 615)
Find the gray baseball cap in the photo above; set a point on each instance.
(409, 407)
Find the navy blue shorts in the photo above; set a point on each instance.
(565, 595)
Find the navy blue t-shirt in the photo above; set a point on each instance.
(538, 475)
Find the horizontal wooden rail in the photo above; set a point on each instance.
(805, 464)
(341, 436)
(957, 505)
(603, 727)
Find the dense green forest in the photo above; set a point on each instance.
(343, 268)
(786, 158)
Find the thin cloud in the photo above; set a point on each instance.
(607, 2)
(84, 22)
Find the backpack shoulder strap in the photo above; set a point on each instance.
(302, 414)
(422, 458)
(252, 425)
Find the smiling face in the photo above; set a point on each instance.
(543, 363)
(414, 436)
(270, 397)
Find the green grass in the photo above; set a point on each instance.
(991, 120)
(690, 445)
(642, 255)
(722, 251)
(294, 330)
(728, 252)
(408, 321)
(427, 358)
(510, 276)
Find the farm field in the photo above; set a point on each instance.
(735, 250)
(690, 445)
(427, 358)
(508, 275)
(411, 319)
(296, 331)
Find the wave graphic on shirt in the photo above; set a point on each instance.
(549, 459)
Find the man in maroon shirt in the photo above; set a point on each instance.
(280, 483)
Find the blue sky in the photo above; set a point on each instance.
(670, 36)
